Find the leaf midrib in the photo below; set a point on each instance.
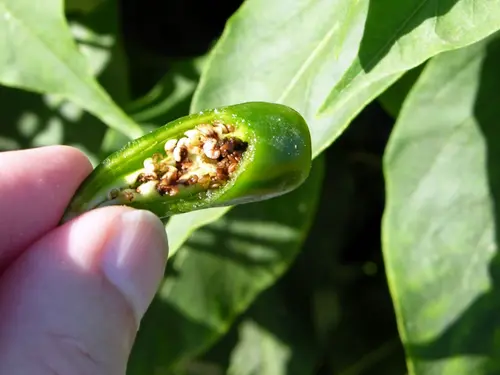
(372, 62)
(307, 63)
(42, 41)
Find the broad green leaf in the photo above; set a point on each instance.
(273, 340)
(292, 52)
(38, 53)
(272, 337)
(399, 35)
(180, 227)
(284, 315)
(98, 37)
(219, 272)
(33, 119)
(441, 221)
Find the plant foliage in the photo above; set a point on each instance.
(402, 100)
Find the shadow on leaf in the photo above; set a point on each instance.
(399, 18)
(31, 120)
(476, 332)
(220, 271)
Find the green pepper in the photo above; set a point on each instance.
(220, 157)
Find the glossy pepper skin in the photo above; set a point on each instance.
(277, 160)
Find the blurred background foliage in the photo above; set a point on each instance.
(295, 285)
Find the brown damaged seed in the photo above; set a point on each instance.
(207, 157)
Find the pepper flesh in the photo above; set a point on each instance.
(224, 156)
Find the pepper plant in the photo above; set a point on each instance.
(350, 227)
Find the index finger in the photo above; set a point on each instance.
(35, 188)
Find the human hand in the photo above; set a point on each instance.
(71, 297)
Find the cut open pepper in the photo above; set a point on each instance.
(220, 157)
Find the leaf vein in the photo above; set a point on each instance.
(307, 63)
(43, 42)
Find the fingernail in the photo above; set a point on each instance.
(135, 257)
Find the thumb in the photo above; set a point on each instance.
(72, 303)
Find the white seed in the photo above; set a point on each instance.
(149, 165)
(209, 148)
(183, 142)
(195, 150)
(178, 154)
(183, 179)
(180, 149)
(170, 145)
(221, 127)
(192, 134)
(206, 130)
(147, 187)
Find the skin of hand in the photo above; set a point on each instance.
(71, 296)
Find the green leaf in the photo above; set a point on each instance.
(171, 95)
(180, 227)
(399, 35)
(84, 6)
(291, 52)
(273, 336)
(273, 340)
(219, 272)
(38, 54)
(33, 119)
(98, 37)
(270, 52)
(440, 229)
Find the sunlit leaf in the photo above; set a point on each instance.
(33, 119)
(38, 53)
(287, 51)
(180, 227)
(399, 35)
(439, 233)
(269, 52)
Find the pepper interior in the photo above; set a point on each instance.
(205, 158)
